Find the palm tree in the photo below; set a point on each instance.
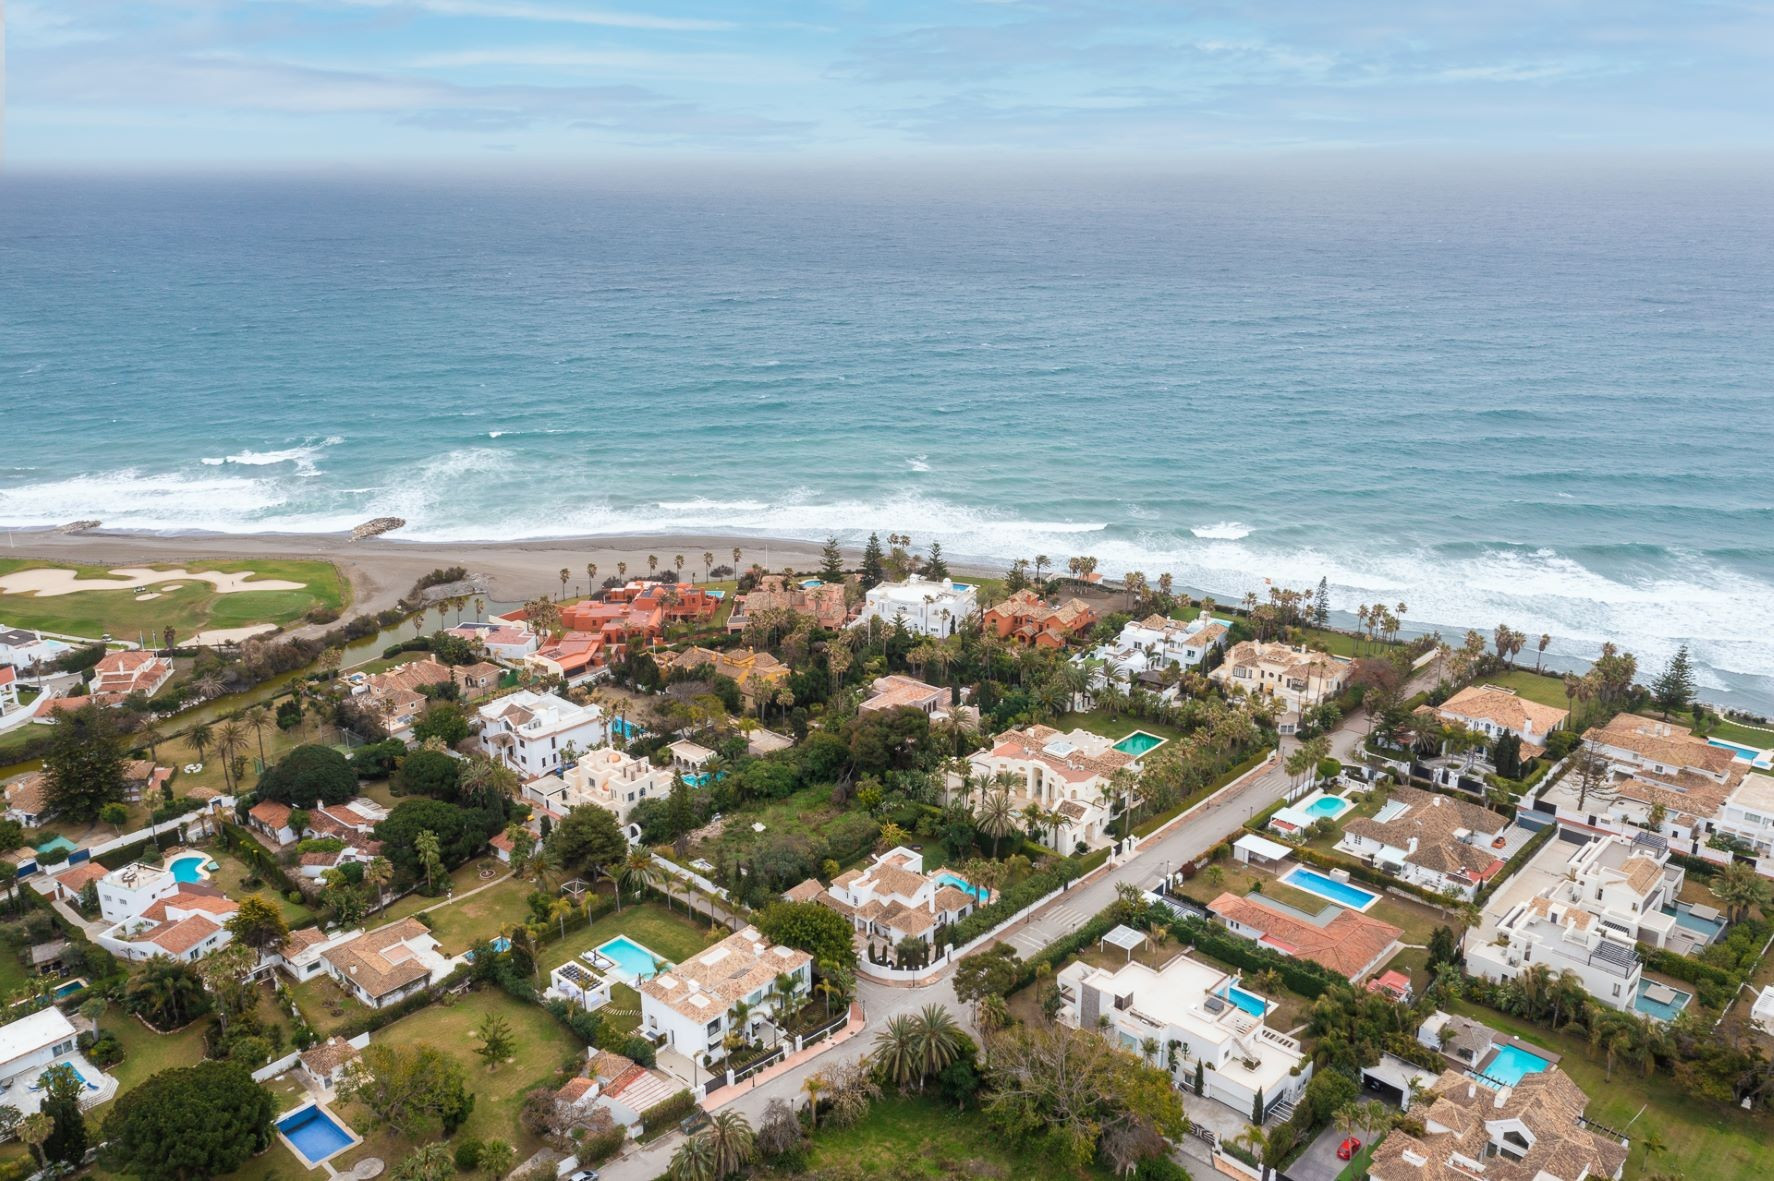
(813, 1084)
(737, 553)
(430, 857)
(230, 737)
(636, 867)
(708, 561)
(898, 1053)
(996, 817)
(694, 1160)
(377, 873)
(1653, 1144)
(622, 571)
(652, 563)
(938, 1039)
(1740, 887)
(1257, 1141)
(259, 718)
(565, 574)
(733, 1141)
(199, 738)
(591, 579)
(34, 1130)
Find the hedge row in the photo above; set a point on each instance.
(1304, 977)
(1013, 898)
(378, 1018)
(668, 1111)
(263, 862)
(1066, 945)
(1366, 873)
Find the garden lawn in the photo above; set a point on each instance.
(541, 1049)
(1542, 687)
(1418, 920)
(195, 606)
(1117, 727)
(146, 1052)
(1747, 735)
(232, 879)
(912, 1139)
(666, 933)
(463, 878)
(325, 1006)
(1735, 1145)
(459, 925)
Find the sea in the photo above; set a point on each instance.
(1535, 393)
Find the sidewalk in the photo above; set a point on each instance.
(728, 1094)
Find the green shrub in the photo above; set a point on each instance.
(670, 1111)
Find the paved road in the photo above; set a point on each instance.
(1188, 837)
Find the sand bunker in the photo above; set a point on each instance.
(227, 635)
(150, 595)
(48, 582)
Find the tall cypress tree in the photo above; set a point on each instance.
(871, 562)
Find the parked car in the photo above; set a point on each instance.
(1348, 1148)
(584, 1175)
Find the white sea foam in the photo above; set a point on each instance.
(303, 457)
(495, 434)
(918, 463)
(1222, 531)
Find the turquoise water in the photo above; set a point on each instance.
(979, 893)
(630, 957)
(187, 869)
(626, 728)
(1250, 1002)
(1658, 1009)
(241, 354)
(1329, 806)
(315, 1134)
(1511, 1063)
(69, 988)
(1138, 743)
(55, 843)
(1685, 918)
(1313, 882)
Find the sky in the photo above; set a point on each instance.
(218, 83)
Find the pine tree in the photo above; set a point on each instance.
(1675, 686)
(936, 569)
(831, 567)
(1321, 604)
(84, 765)
(871, 562)
(680, 817)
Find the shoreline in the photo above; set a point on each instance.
(381, 569)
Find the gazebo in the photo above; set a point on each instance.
(1126, 938)
(575, 888)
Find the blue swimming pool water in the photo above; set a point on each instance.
(979, 893)
(630, 956)
(700, 778)
(188, 868)
(1250, 1002)
(59, 842)
(69, 988)
(315, 1134)
(1313, 882)
(1330, 806)
(1138, 743)
(1511, 1063)
(1707, 927)
(626, 728)
(1662, 1011)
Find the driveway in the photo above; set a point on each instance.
(1319, 1162)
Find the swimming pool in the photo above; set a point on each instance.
(1663, 1009)
(631, 959)
(1748, 754)
(1327, 806)
(1250, 1002)
(193, 867)
(626, 728)
(1342, 893)
(1139, 743)
(314, 1134)
(497, 946)
(700, 778)
(59, 842)
(1709, 928)
(69, 988)
(71, 1069)
(979, 893)
(1511, 1063)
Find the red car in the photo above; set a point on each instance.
(1348, 1148)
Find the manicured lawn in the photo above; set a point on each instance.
(324, 1005)
(1100, 721)
(1735, 1145)
(1547, 690)
(1747, 735)
(459, 925)
(1418, 920)
(146, 1052)
(463, 878)
(193, 607)
(541, 1049)
(912, 1139)
(232, 877)
(667, 933)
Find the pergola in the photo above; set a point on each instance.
(575, 888)
(1125, 938)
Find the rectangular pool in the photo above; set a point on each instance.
(1511, 1063)
(314, 1134)
(631, 959)
(1652, 1001)
(1342, 893)
(1250, 1002)
(1139, 743)
(979, 893)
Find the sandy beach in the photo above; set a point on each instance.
(382, 569)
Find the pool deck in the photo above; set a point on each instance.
(1284, 875)
(315, 1101)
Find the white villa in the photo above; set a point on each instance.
(1651, 762)
(607, 777)
(1748, 813)
(1155, 643)
(1565, 936)
(1495, 711)
(388, 964)
(34, 1044)
(8, 689)
(893, 898)
(1532, 1131)
(1299, 678)
(154, 914)
(1196, 1014)
(1067, 774)
(1430, 840)
(691, 1004)
(928, 608)
(21, 649)
(531, 732)
(501, 639)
